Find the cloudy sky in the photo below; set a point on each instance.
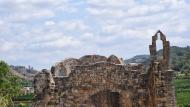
(42, 32)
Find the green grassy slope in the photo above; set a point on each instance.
(183, 92)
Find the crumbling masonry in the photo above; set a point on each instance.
(97, 81)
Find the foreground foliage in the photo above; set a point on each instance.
(28, 97)
(9, 85)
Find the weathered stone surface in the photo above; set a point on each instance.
(161, 90)
(44, 86)
(90, 59)
(64, 68)
(97, 81)
(115, 60)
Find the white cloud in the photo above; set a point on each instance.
(28, 10)
(30, 15)
(179, 41)
(7, 46)
(43, 38)
(73, 25)
(62, 42)
(144, 10)
(111, 29)
(1, 25)
(49, 23)
(108, 13)
(111, 3)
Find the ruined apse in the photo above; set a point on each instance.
(98, 81)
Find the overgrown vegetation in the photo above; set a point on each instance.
(23, 105)
(9, 85)
(27, 97)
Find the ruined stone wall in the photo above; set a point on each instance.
(90, 59)
(97, 81)
(85, 83)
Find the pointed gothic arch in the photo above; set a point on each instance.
(166, 46)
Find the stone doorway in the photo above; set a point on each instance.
(106, 99)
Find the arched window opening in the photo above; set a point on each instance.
(159, 46)
(61, 73)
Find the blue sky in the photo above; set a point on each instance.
(42, 32)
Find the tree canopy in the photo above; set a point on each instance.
(182, 64)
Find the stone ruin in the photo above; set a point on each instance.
(97, 81)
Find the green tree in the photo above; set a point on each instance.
(9, 85)
(182, 63)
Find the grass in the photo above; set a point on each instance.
(183, 92)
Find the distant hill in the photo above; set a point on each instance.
(144, 59)
(178, 58)
(23, 72)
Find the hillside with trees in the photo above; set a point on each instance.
(179, 58)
